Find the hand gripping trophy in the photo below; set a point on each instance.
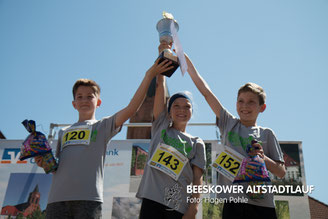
(166, 27)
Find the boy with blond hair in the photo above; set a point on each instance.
(237, 133)
(77, 185)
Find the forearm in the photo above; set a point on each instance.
(140, 94)
(200, 83)
(204, 88)
(135, 102)
(160, 99)
(197, 180)
(275, 167)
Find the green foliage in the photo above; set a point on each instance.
(141, 161)
(207, 176)
(20, 216)
(282, 209)
(211, 211)
(133, 159)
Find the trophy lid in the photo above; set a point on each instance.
(166, 21)
(167, 15)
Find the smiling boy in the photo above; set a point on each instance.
(77, 185)
(237, 133)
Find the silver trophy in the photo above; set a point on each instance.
(164, 28)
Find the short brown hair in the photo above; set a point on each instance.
(254, 88)
(86, 82)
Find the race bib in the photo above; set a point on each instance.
(168, 160)
(77, 135)
(228, 162)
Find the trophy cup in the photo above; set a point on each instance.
(164, 28)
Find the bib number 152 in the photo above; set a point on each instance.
(229, 163)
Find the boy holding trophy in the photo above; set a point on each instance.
(77, 185)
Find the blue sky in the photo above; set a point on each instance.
(45, 46)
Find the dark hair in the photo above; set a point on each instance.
(86, 82)
(176, 96)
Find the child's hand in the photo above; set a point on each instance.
(158, 68)
(38, 160)
(190, 214)
(258, 150)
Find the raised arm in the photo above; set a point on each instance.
(160, 98)
(140, 94)
(203, 88)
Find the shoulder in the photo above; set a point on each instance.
(161, 122)
(105, 121)
(224, 112)
(162, 116)
(268, 136)
(226, 118)
(195, 139)
(199, 141)
(107, 118)
(266, 130)
(66, 128)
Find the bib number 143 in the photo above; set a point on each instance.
(168, 160)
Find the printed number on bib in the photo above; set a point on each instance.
(77, 135)
(228, 163)
(168, 160)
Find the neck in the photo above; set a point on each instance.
(180, 127)
(83, 118)
(248, 123)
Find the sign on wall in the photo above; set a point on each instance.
(22, 184)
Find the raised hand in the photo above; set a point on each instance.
(158, 68)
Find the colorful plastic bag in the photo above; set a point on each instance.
(36, 144)
(252, 168)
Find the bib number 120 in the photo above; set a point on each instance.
(75, 135)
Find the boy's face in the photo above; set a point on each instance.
(86, 101)
(181, 110)
(248, 108)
